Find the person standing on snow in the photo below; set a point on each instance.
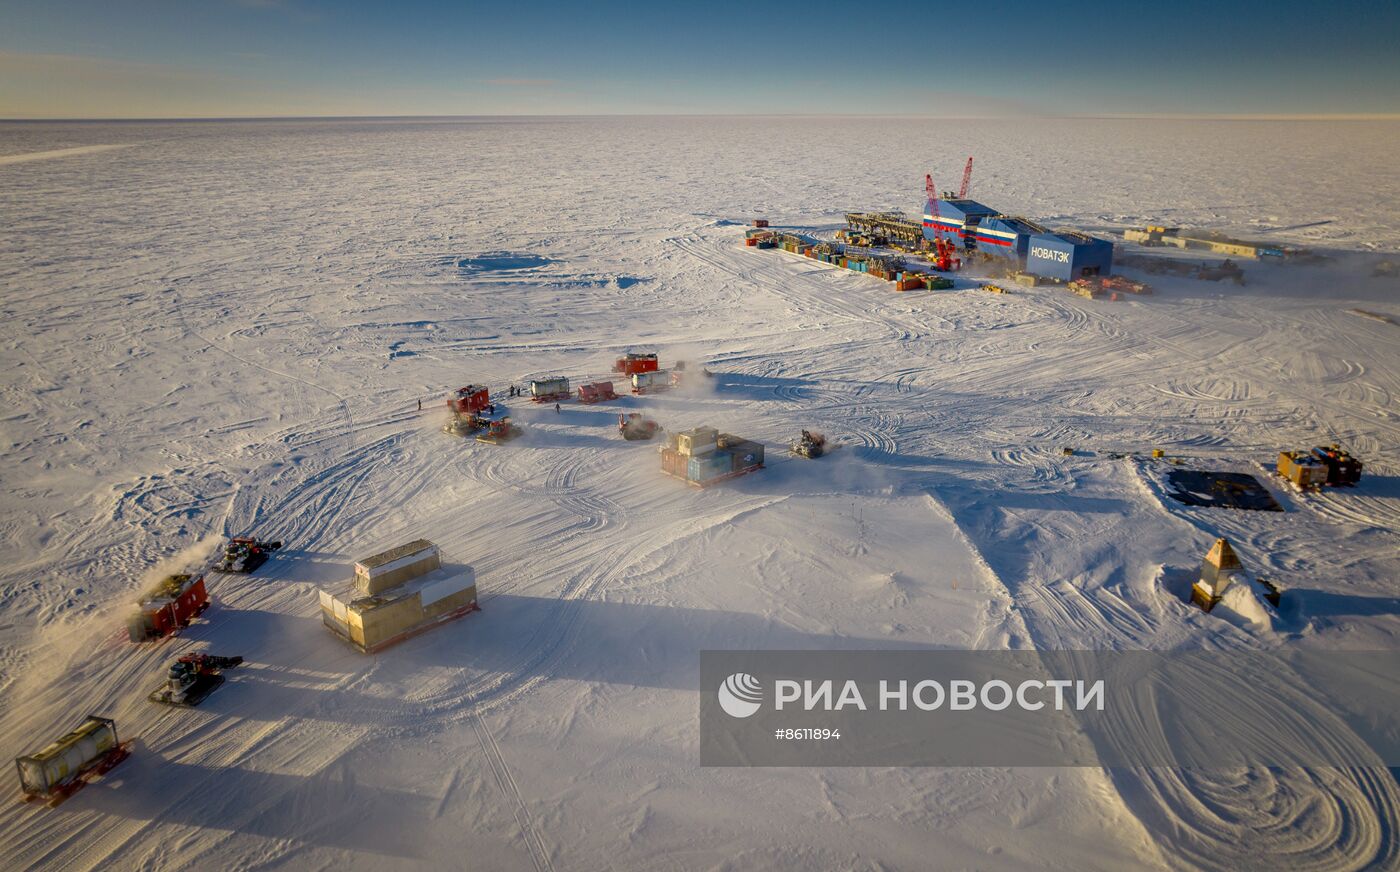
(556, 408)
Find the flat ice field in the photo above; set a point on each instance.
(225, 328)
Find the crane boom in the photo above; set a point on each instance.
(933, 206)
(967, 179)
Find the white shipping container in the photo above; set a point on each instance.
(651, 379)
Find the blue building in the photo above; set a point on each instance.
(958, 219)
(1068, 255)
(1006, 236)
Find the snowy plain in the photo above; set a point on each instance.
(223, 328)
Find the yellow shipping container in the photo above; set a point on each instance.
(371, 621)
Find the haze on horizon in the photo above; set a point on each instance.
(256, 58)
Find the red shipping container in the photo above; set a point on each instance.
(178, 600)
(635, 363)
(472, 398)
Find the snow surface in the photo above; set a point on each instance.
(224, 328)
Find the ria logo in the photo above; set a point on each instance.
(740, 695)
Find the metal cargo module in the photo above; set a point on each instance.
(395, 566)
(657, 379)
(1342, 468)
(1302, 469)
(468, 399)
(596, 392)
(744, 453)
(712, 464)
(698, 440)
(72, 756)
(554, 387)
(372, 616)
(1068, 255)
(167, 607)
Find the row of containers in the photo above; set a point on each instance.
(887, 267)
(703, 456)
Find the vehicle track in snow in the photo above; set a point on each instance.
(539, 855)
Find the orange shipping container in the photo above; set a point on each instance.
(673, 462)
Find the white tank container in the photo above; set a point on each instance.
(67, 757)
(546, 386)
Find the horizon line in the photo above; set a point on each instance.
(1146, 116)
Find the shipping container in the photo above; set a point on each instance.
(552, 387)
(634, 363)
(1342, 468)
(698, 440)
(596, 392)
(1303, 470)
(658, 379)
(703, 467)
(69, 758)
(169, 606)
(745, 454)
(469, 399)
(371, 615)
(673, 462)
(395, 566)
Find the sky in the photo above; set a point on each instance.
(240, 58)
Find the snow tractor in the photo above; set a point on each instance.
(461, 425)
(65, 766)
(245, 554)
(192, 678)
(810, 445)
(498, 432)
(635, 428)
(168, 607)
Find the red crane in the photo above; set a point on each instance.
(933, 206)
(967, 179)
(943, 249)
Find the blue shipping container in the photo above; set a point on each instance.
(708, 465)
